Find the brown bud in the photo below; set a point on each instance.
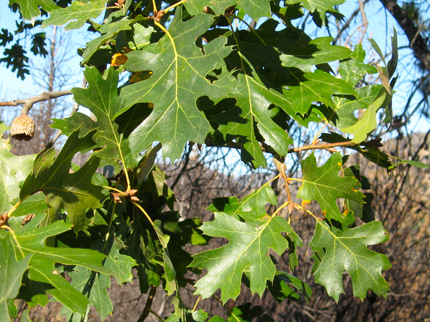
(132, 192)
(116, 197)
(22, 128)
(4, 219)
(27, 219)
(134, 198)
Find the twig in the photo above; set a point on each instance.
(325, 146)
(281, 168)
(365, 22)
(74, 109)
(346, 25)
(148, 304)
(269, 149)
(29, 102)
(159, 317)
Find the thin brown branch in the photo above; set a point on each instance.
(325, 146)
(347, 23)
(74, 109)
(268, 149)
(365, 22)
(148, 304)
(29, 102)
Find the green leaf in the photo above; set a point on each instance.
(345, 106)
(367, 123)
(346, 250)
(95, 286)
(78, 11)
(72, 192)
(13, 170)
(111, 30)
(256, 9)
(369, 150)
(179, 69)
(392, 63)
(315, 52)
(413, 163)
(244, 313)
(325, 186)
(253, 204)
(318, 87)
(353, 69)
(281, 290)
(362, 211)
(30, 8)
(35, 204)
(120, 264)
(11, 271)
(252, 111)
(30, 241)
(102, 99)
(320, 7)
(248, 250)
(108, 31)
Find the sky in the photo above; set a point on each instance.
(380, 29)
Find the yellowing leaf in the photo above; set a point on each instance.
(118, 59)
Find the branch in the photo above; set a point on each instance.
(148, 304)
(28, 102)
(268, 149)
(326, 146)
(346, 25)
(416, 41)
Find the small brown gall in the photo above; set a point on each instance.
(22, 128)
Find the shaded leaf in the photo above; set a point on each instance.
(244, 313)
(319, 7)
(369, 151)
(318, 87)
(254, 8)
(281, 290)
(72, 192)
(313, 52)
(94, 286)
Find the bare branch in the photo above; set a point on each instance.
(148, 304)
(268, 149)
(347, 23)
(29, 102)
